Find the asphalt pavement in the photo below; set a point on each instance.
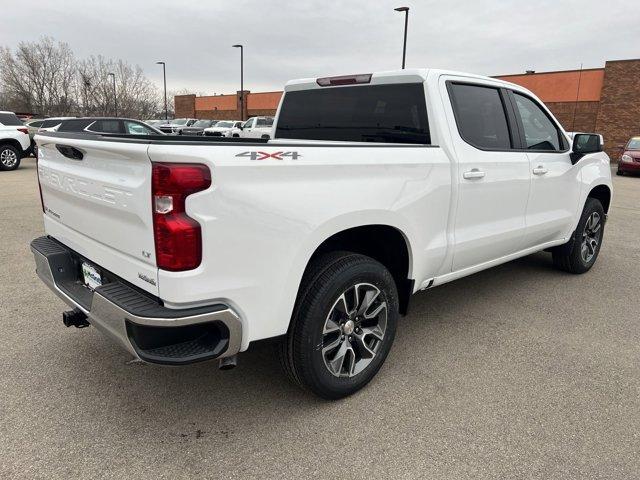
(520, 371)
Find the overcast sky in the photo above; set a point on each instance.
(309, 38)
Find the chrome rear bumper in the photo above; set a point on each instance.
(139, 322)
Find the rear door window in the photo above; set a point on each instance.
(106, 126)
(10, 119)
(394, 113)
(480, 115)
(50, 123)
(264, 122)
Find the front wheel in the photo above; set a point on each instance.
(343, 325)
(579, 255)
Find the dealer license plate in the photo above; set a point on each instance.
(91, 276)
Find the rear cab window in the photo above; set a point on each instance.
(394, 113)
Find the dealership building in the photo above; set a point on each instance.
(604, 100)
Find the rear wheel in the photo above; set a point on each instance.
(9, 157)
(343, 325)
(619, 172)
(579, 255)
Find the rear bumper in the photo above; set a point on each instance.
(135, 319)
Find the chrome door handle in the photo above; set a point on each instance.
(473, 174)
(540, 170)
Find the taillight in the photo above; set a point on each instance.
(178, 238)
(23, 130)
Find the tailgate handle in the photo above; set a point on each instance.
(70, 152)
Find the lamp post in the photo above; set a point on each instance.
(241, 80)
(115, 97)
(164, 75)
(406, 23)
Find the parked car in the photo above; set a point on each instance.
(222, 128)
(51, 124)
(108, 125)
(155, 123)
(175, 126)
(197, 128)
(14, 141)
(373, 188)
(255, 127)
(630, 158)
(35, 124)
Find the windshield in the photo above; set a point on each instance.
(179, 121)
(224, 124)
(634, 144)
(201, 123)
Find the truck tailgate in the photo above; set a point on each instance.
(97, 200)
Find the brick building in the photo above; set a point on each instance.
(227, 107)
(603, 100)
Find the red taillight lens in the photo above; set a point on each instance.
(23, 130)
(177, 237)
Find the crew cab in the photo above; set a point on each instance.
(374, 187)
(14, 141)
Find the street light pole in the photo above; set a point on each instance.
(164, 75)
(115, 95)
(406, 23)
(241, 80)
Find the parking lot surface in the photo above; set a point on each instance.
(520, 371)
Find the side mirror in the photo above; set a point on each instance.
(585, 143)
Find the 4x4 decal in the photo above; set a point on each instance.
(273, 155)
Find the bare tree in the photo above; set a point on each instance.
(39, 77)
(45, 78)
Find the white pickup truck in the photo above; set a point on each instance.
(374, 187)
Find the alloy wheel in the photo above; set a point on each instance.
(354, 329)
(591, 237)
(8, 158)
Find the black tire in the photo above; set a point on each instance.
(10, 157)
(571, 256)
(301, 351)
(619, 172)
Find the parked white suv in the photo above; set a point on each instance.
(374, 187)
(255, 127)
(14, 141)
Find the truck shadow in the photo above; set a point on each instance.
(258, 387)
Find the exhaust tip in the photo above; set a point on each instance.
(227, 363)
